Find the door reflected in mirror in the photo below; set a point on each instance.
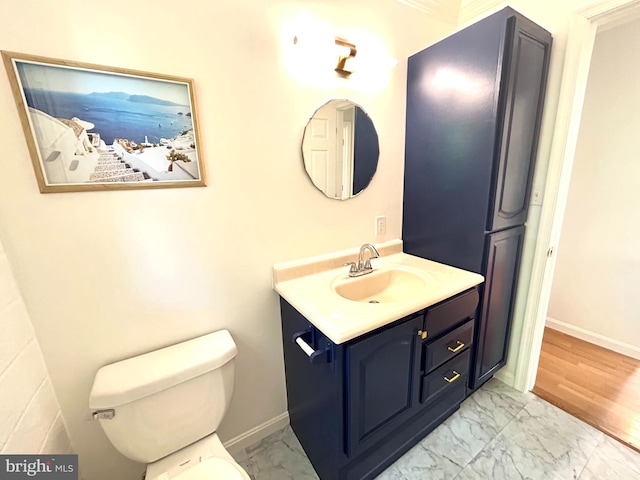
(340, 149)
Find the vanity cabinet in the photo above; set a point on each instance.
(358, 406)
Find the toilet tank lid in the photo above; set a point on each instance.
(137, 377)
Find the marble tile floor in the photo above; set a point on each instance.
(498, 434)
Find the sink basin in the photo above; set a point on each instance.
(384, 285)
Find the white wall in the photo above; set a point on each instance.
(597, 275)
(107, 275)
(30, 418)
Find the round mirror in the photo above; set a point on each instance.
(340, 149)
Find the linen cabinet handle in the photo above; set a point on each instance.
(457, 348)
(454, 378)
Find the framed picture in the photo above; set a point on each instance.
(90, 127)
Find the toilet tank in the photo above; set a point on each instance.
(166, 399)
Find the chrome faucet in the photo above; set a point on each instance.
(363, 267)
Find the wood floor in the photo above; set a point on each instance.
(592, 383)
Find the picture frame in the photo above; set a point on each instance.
(91, 127)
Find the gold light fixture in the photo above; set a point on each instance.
(314, 54)
(346, 51)
(333, 48)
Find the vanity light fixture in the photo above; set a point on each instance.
(320, 57)
(346, 51)
(343, 50)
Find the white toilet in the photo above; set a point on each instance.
(163, 408)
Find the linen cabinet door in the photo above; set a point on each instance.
(381, 383)
(503, 259)
(528, 62)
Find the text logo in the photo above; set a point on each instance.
(44, 467)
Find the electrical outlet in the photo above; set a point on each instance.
(381, 226)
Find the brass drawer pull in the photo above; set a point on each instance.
(456, 349)
(422, 334)
(454, 378)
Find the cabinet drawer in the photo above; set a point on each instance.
(449, 313)
(447, 347)
(446, 377)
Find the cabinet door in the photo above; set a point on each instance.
(503, 258)
(527, 63)
(381, 383)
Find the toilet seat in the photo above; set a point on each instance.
(213, 468)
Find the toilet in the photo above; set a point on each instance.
(163, 408)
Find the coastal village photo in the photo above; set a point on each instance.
(91, 126)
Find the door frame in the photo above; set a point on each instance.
(583, 26)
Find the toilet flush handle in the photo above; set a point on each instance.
(104, 414)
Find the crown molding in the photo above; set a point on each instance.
(473, 9)
(617, 11)
(445, 9)
(611, 13)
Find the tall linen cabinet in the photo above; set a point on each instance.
(474, 106)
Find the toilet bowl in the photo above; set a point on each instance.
(207, 458)
(162, 408)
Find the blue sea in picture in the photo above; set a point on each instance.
(116, 114)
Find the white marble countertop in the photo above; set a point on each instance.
(342, 320)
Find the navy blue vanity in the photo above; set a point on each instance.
(474, 107)
(358, 406)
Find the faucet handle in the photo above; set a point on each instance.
(367, 264)
(353, 267)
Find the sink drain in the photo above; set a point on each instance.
(374, 301)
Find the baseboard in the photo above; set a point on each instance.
(595, 338)
(506, 377)
(242, 441)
